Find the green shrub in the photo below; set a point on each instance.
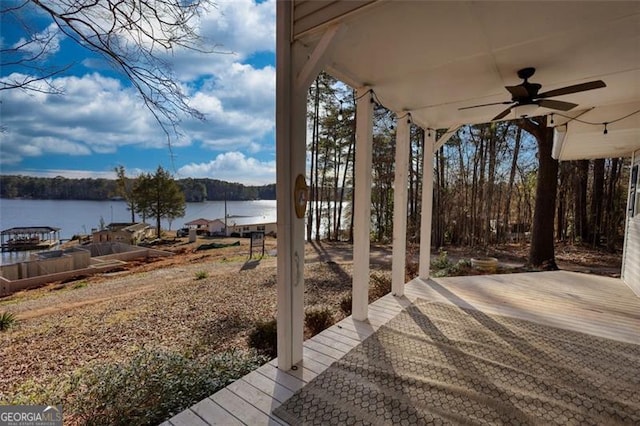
(200, 275)
(264, 338)
(150, 388)
(442, 262)
(346, 304)
(380, 285)
(81, 284)
(318, 318)
(7, 320)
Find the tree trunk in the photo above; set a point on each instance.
(597, 196)
(489, 198)
(581, 178)
(512, 177)
(542, 253)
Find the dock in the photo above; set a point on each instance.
(29, 238)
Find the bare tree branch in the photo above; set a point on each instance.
(134, 36)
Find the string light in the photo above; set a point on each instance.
(376, 100)
(604, 123)
(340, 112)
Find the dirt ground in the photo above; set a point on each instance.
(196, 301)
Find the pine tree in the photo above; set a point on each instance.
(159, 196)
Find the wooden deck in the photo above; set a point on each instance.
(591, 304)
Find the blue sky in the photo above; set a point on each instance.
(100, 122)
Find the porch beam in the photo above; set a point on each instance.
(446, 136)
(427, 205)
(398, 262)
(317, 59)
(362, 203)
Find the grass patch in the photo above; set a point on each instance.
(7, 320)
(151, 387)
(201, 275)
(81, 284)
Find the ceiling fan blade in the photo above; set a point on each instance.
(582, 87)
(553, 104)
(502, 114)
(484, 105)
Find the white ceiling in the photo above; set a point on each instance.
(433, 57)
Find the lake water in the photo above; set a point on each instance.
(79, 217)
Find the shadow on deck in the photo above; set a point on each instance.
(590, 304)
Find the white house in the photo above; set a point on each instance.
(201, 225)
(630, 260)
(243, 226)
(216, 227)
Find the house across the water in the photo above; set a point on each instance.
(127, 233)
(207, 226)
(236, 226)
(29, 238)
(243, 226)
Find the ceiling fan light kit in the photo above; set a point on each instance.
(529, 110)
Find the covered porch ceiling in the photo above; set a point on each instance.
(431, 58)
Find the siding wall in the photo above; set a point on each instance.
(631, 259)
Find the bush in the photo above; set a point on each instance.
(318, 318)
(380, 285)
(264, 338)
(200, 275)
(346, 304)
(461, 268)
(150, 388)
(7, 320)
(442, 262)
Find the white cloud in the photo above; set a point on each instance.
(236, 29)
(98, 114)
(233, 167)
(95, 114)
(42, 44)
(241, 26)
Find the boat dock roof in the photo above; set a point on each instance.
(30, 230)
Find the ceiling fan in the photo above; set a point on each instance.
(526, 94)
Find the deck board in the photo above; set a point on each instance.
(268, 386)
(243, 410)
(188, 418)
(214, 413)
(591, 304)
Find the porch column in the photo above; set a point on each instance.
(295, 70)
(427, 204)
(400, 206)
(362, 203)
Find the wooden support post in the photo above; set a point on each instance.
(400, 206)
(427, 205)
(362, 204)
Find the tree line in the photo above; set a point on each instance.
(98, 189)
(489, 181)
